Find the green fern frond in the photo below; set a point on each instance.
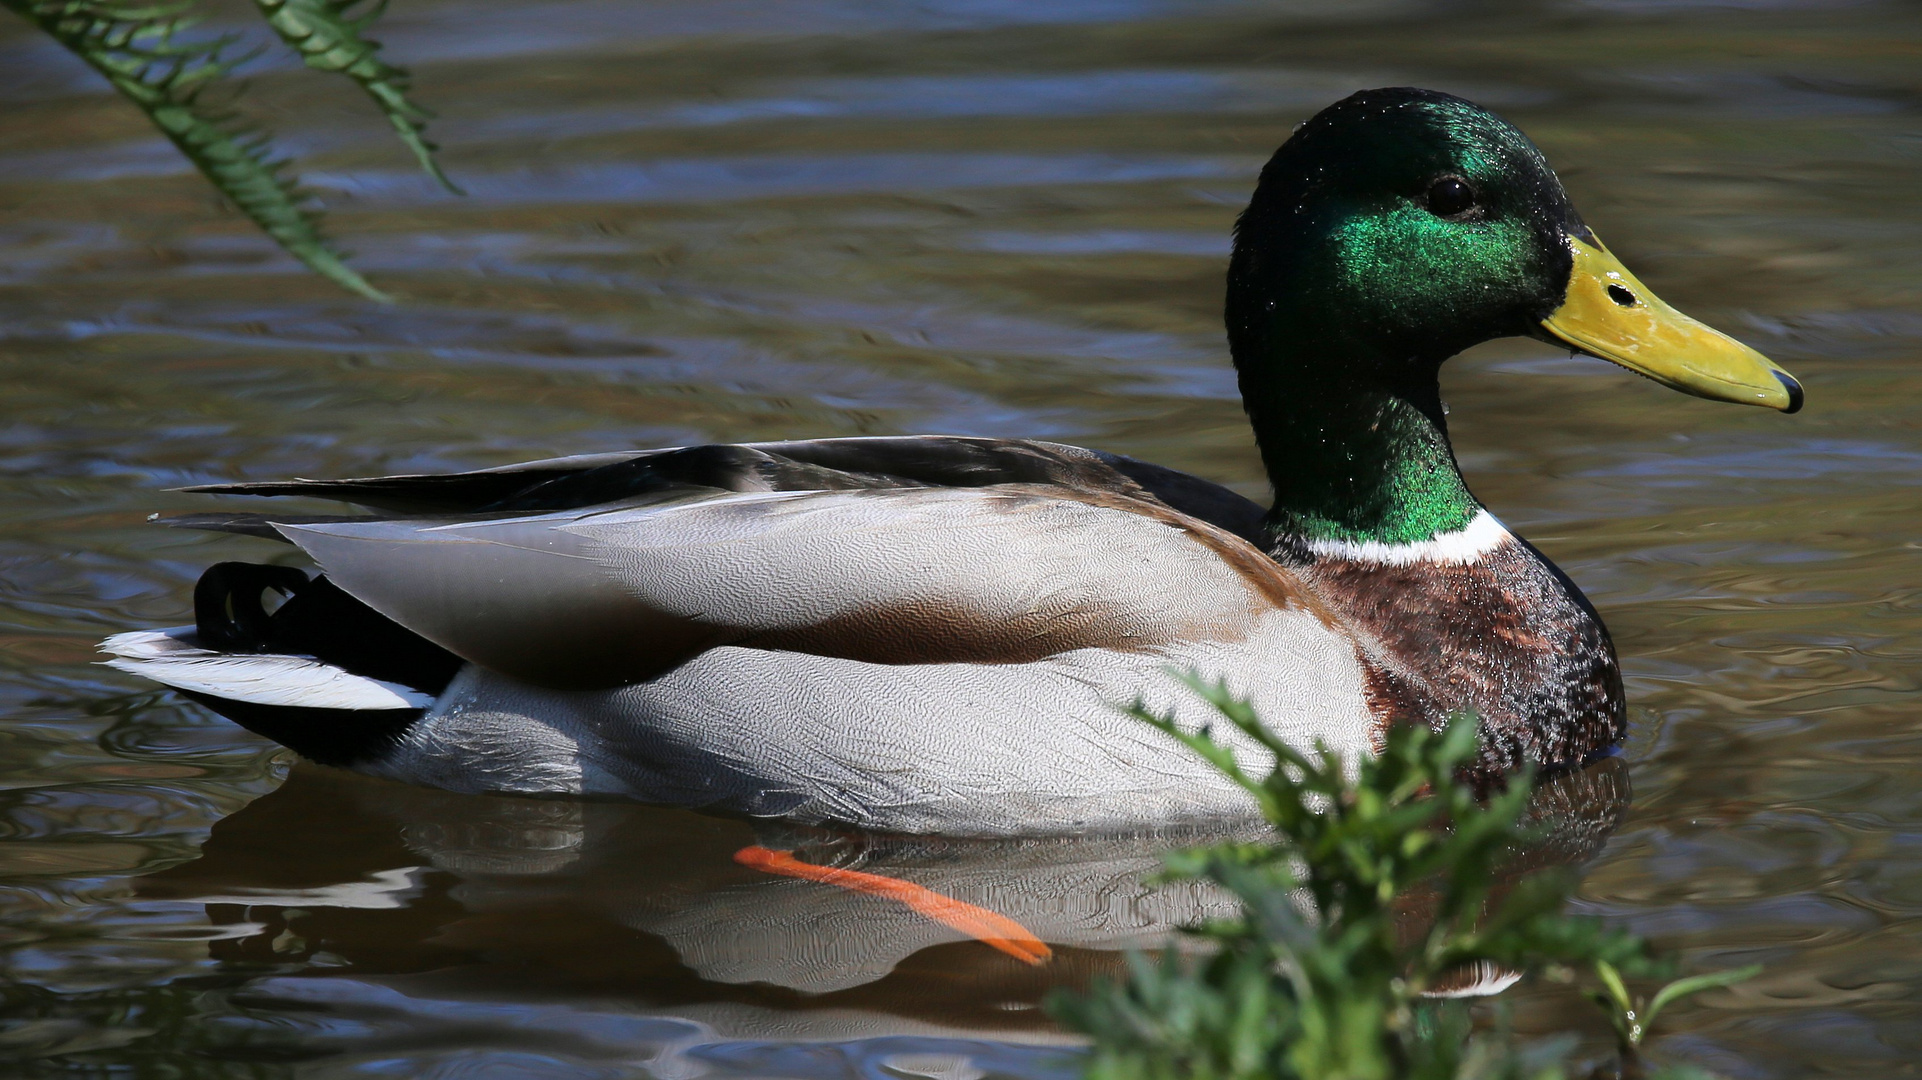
(328, 36)
(137, 48)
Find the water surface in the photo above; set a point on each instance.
(759, 219)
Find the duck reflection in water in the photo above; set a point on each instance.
(339, 874)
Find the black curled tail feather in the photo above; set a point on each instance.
(316, 619)
(228, 613)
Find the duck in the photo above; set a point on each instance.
(942, 634)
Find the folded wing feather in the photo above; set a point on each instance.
(807, 465)
(1010, 573)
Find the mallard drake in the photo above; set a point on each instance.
(931, 634)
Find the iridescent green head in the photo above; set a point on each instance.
(1393, 230)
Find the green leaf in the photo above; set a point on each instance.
(1695, 984)
(1617, 990)
(138, 50)
(328, 36)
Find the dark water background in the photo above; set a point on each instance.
(754, 219)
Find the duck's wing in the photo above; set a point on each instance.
(810, 465)
(896, 575)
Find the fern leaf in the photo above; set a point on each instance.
(136, 47)
(327, 35)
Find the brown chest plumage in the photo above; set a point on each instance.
(1505, 636)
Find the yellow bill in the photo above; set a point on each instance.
(1609, 314)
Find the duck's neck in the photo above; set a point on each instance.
(1357, 464)
(1453, 613)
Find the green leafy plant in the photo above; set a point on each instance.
(1382, 886)
(145, 52)
(1632, 1016)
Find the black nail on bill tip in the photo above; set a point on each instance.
(1795, 392)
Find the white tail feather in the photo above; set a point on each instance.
(175, 658)
(1480, 979)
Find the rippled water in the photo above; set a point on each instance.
(756, 219)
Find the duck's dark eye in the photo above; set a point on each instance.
(1450, 196)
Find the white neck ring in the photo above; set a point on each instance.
(1483, 534)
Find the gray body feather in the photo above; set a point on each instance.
(794, 631)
